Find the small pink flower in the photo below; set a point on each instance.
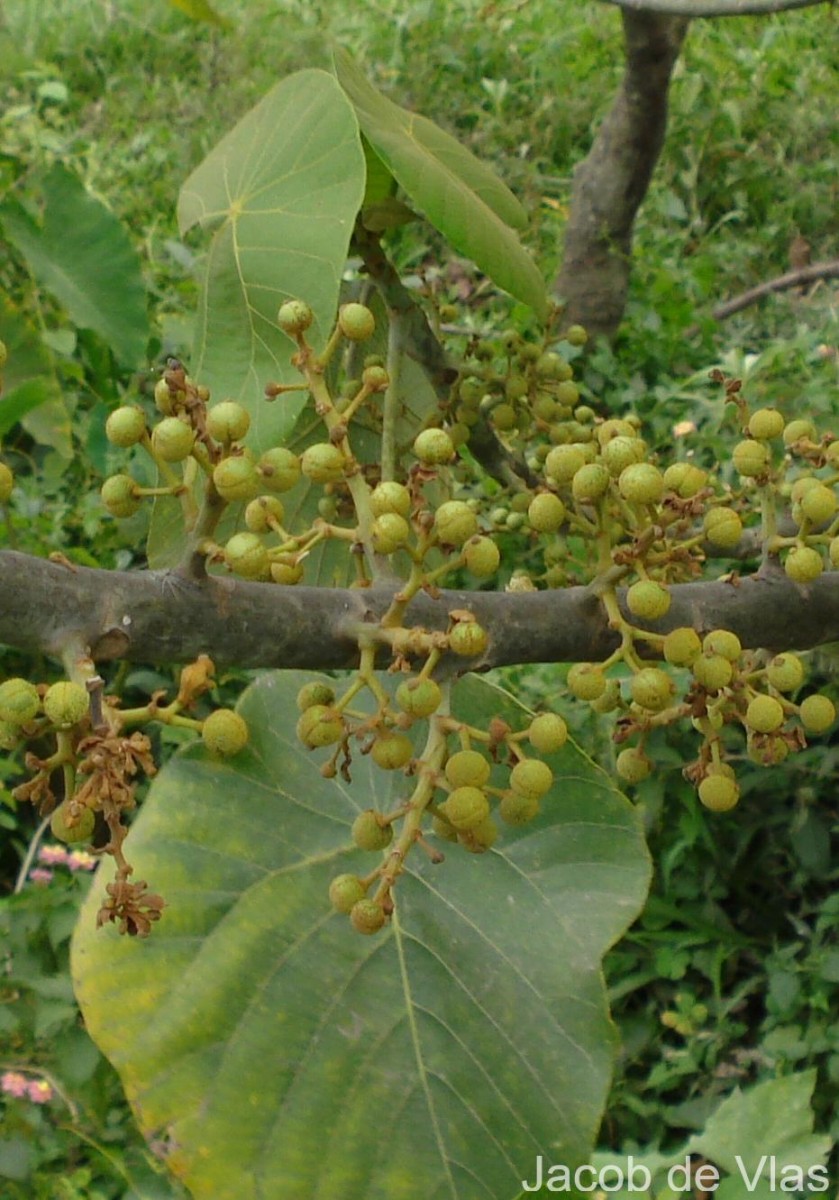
(53, 856)
(40, 875)
(39, 1091)
(13, 1084)
(80, 860)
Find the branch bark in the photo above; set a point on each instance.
(714, 8)
(157, 616)
(804, 275)
(611, 182)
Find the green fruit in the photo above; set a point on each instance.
(391, 751)
(286, 573)
(433, 447)
(247, 557)
(481, 838)
(610, 700)
(375, 379)
(323, 463)
(765, 714)
(817, 713)
(295, 317)
(819, 503)
(389, 532)
(345, 891)
(66, 704)
(356, 322)
(320, 725)
(7, 482)
(264, 513)
(652, 689)
(620, 453)
(718, 793)
(712, 672)
(390, 497)
(546, 512)
(225, 733)
(9, 735)
(632, 765)
(163, 398)
(4, 354)
(531, 778)
(682, 647)
(369, 832)
(685, 479)
(70, 831)
(552, 366)
(119, 495)
(798, 431)
(642, 483)
(785, 673)
(19, 701)
(236, 478)
(576, 335)
(126, 425)
(518, 810)
(750, 458)
(465, 807)
(228, 422)
(591, 482)
(615, 427)
(766, 423)
(563, 463)
(504, 417)
(442, 829)
(724, 642)
(483, 557)
(467, 768)
(547, 733)
(803, 564)
(279, 469)
(419, 697)
(172, 439)
(647, 600)
(586, 681)
(723, 528)
(367, 916)
(315, 693)
(455, 523)
(468, 639)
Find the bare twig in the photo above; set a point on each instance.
(791, 279)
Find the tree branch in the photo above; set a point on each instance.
(804, 275)
(157, 616)
(611, 182)
(714, 8)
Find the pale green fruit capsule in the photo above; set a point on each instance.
(225, 733)
(247, 556)
(228, 422)
(172, 439)
(66, 704)
(126, 425)
(322, 463)
(119, 495)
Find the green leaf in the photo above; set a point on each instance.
(281, 1054)
(201, 10)
(460, 195)
(82, 255)
(281, 192)
(29, 377)
(771, 1120)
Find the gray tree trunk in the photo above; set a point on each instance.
(610, 184)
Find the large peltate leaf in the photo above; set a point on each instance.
(461, 196)
(82, 255)
(276, 1053)
(281, 192)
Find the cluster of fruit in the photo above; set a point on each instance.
(97, 761)
(450, 780)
